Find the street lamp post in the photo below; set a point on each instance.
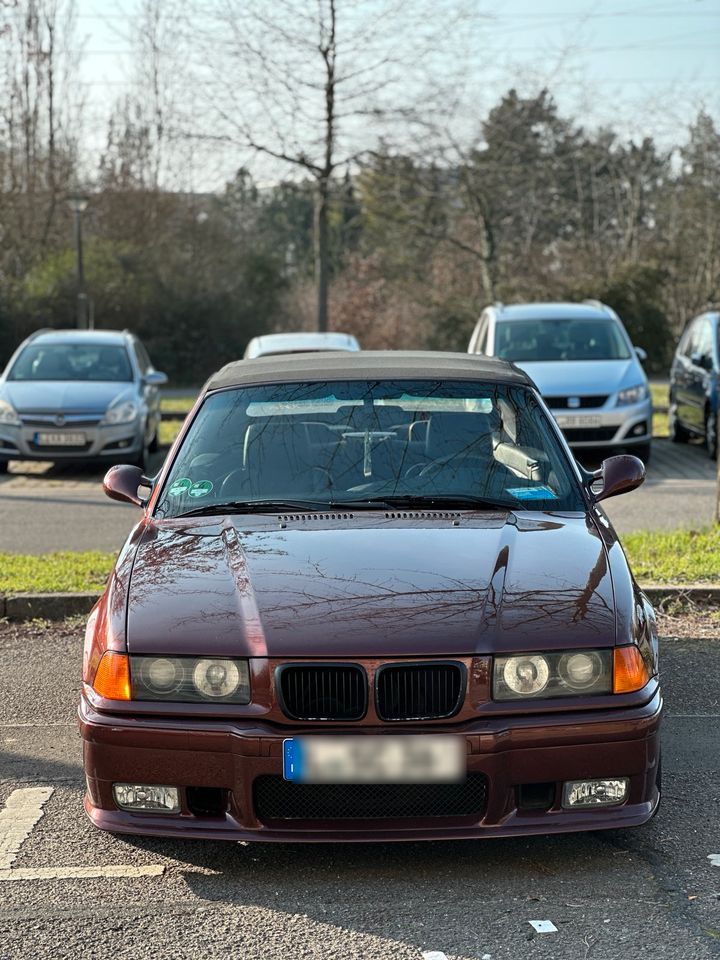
(78, 204)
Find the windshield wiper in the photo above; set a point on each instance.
(255, 506)
(420, 502)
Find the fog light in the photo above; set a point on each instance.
(141, 796)
(639, 430)
(594, 793)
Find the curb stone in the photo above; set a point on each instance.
(46, 606)
(58, 606)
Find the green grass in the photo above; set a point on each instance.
(674, 556)
(63, 572)
(178, 404)
(659, 393)
(169, 429)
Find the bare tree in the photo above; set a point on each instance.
(311, 85)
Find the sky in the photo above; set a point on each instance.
(644, 66)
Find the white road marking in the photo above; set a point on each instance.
(714, 859)
(71, 873)
(434, 955)
(543, 926)
(18, 817)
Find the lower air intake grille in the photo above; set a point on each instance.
(323, 691)
(279, 799)
(419, 691)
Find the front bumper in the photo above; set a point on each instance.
(102, 442)
(508, 751)
(607, 426)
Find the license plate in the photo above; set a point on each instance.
(580, 421)
(428, 758)
(60, 439)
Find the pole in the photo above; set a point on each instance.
(81, 295)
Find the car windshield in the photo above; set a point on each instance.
(358, 442)
(576, 339)
(72, 361)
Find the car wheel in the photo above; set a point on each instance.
(643, 452)
(154, 444)
(711, 434)
(678, 433)
(4, 464)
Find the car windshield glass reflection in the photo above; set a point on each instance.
(325, 444)
(544, 340)
(356, 442)
(72, 361)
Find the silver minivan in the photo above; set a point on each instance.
(584, 364)
(79, 395)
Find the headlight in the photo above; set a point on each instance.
(8, 415)
(122, 413)
(566, 673)
(190, 679)
(632, 394)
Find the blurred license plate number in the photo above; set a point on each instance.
(570, 421)
(60, 439)
(371, 759)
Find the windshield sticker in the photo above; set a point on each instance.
(532, 493)
(180, 486)
(200, 489)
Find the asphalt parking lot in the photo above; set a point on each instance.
(652, 891)
(46, 507)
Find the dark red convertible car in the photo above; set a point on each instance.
(371, 596)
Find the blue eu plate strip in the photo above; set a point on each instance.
(532, 493)
(292, 760)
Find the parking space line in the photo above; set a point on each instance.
(83, 873)
(18, 817)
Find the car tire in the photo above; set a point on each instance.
(4, 464)
(154, 444)
(678, 433)
(711, 434)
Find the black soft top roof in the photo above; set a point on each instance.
(366, 365)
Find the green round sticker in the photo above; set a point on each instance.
(180, 486)
(200, 489)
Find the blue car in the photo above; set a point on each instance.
(79, 395)
(694, 383)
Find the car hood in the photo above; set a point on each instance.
(62, 396)
(565, 378)
(372, 585)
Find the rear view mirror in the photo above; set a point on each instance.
(155, 378)
(122, 482)
(618, 475)
(641, 354)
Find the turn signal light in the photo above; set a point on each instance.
(630, 672)
(112, 679)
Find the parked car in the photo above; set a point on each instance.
(371, 597)
(584, 364)
(79, 395)
(274, 343)
(694, 378)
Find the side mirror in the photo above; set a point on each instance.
(122, 481)
(618, 475)
(641, 354)
(156, 379)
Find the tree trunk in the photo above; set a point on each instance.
(321, 252)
